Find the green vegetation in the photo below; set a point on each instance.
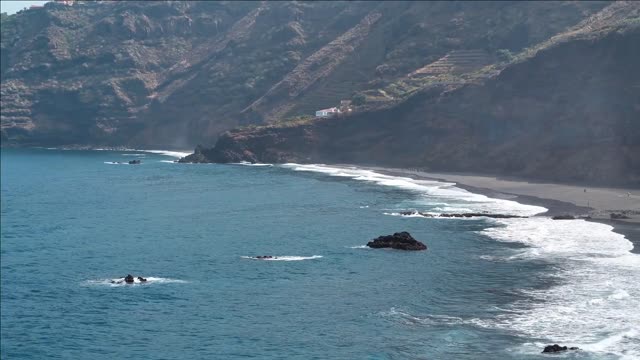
(294, 121)
(505, 55)
(359, 99)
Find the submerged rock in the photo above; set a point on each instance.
(400, 240)
(135, 162)
(557, 348)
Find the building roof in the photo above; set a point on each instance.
(333, 109)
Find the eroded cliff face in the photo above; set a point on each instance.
(568, 110)
(166, 73)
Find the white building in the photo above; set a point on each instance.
(327, 112)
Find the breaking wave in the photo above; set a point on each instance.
(246, 163)
(595, 306)
(176, 154)
(430, 191)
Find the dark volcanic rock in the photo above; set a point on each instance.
(618, 216)
(563, 217)
(401, 240)
(129, 279)
(557, 348)
(135, 162)
(462, 215)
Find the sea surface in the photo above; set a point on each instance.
(72, 221)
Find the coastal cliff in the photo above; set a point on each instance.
(565, 110)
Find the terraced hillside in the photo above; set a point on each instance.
(174, 74)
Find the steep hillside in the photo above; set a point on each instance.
(168, 73)
(567, 109)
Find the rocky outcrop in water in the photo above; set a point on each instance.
(135, 162)
(400, 240)
(557, 348)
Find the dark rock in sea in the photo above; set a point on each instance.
(261, 257)
(400, 240)
(557, 348)
(141, 279)
(129, 279)
(135, 162)
(462, 215)
(564, 217)
(618, 216)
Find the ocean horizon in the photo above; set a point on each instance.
(75, 222)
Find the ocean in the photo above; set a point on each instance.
(73, 221)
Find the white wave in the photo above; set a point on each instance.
(413, 214)
(177, 154)
(116, 163)
(120, 281)
(246, 163)
(285, 258)
(359, 247)
(168, 161)
(595, 305)
(431, 191)
(108, 149)
(140, 155)
(430, 319)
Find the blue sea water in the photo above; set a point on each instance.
(485, 289)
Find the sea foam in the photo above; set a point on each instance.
(430, 192)
(176, 154)
(246, 163)
(595, 305)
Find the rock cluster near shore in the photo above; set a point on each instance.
(461, 215)
(557, 348)
(400, 240)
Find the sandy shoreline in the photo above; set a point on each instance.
(559, 199)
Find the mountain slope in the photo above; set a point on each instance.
(179, 73)
(567, 109)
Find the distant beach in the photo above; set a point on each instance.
(560, 199)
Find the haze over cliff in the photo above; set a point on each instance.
(538, 89)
